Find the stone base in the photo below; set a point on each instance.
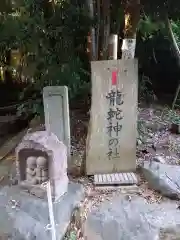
(39, 191)
(36, 190)
(25, 217)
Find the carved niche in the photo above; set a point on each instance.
(41, 157)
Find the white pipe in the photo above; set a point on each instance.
(51, 213)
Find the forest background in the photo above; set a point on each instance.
(53, 42)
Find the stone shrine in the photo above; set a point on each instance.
(41, 157)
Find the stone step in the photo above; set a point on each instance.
(128, 178)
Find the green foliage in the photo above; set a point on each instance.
(48, 40)
(52, 39)
(149, 27)
(176, 30)
(30, 107)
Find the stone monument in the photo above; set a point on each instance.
(111, 142)
(41, 157)
(56, 111)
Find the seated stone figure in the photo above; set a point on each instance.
(41, 157)
(36, 170)
(31, 170)
(41, 170)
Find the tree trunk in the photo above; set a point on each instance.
(131, 18)
(91, 39)
(106, 28)
(48, 8)
(177, 55)
(98, 7)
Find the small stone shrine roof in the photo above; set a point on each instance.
(46, 142)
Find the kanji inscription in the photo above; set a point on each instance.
(114, 127)
(115, 97)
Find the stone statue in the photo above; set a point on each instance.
(31, 170)
(36, 170)
(41, 170)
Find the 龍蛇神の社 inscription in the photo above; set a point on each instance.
(114, 127)
(111, 140)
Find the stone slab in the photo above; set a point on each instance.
(14, 219)
(163, 178)
(135, 219)
(56, 109)
(33, 206)
(33, 215)
(111, 141)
